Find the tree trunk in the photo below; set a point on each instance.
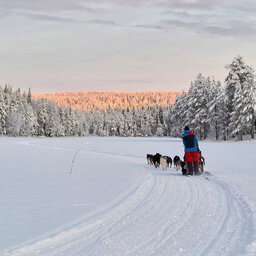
(216, 130)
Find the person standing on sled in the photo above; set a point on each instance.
(191, 151)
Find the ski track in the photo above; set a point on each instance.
(156, 218)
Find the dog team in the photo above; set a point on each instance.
(158, 159)
(193, 160)
(165, 162)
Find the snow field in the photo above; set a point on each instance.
(117, 205)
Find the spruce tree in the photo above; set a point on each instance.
(240, 91)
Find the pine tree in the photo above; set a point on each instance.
(217, 111)
(145, 127)
(178, 114)
(30, 121)
(51, 127)
(42, 116)
(249, 93)
(29, 97)
(240, 89)
(71, 122)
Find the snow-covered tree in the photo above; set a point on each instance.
(205, 108)
(42, 116)
(30, 124)
(240, 92)
(200, 100)
(3, 114)
(217, 111)
(249, 94)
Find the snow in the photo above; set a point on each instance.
(115, 204)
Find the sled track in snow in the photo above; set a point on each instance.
(233, 234)
(156, 218)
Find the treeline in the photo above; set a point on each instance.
(20, 115)
(208, 108)
(96, 101)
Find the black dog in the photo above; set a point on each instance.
(156, 159)
(169, 161)
(184, 169)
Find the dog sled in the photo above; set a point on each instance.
(201, 164)
(166, 161)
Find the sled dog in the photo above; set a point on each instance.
(184, 168)
(150, 159)
(176, 161)
(156, 159)
(165, 161)
(201, 162)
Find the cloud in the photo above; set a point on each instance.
(86, 5)
(219, 18)
(192, 5)
(51, 18)
(152, 26)
(54, 11)
(47, 5)
(226, 27)
(44, 17)
(212, 17)
(102, 22)
(170, 4)
(180, 23)
(237, 29)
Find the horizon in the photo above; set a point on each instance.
(106, 91)
(120, 45)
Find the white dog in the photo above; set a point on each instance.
(164, 163)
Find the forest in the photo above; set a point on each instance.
(100, 100)
(210, 109)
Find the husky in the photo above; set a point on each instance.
(176, 161)
(201, 162)
(150, 159)
(165, 162)
(156, 159)
(184, 168)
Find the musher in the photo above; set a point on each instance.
(191, 151)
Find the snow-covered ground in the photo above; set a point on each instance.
(115, 204)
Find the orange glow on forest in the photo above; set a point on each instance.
(100, 100)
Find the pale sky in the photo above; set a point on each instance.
(122, 45)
